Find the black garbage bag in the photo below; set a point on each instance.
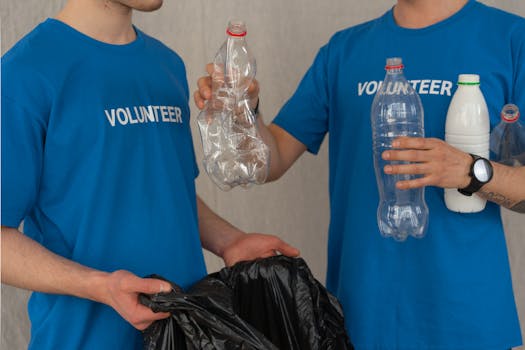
(273, 303)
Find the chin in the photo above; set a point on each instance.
(145, 5)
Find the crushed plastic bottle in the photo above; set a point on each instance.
(397, 111)
(507, 139)
(234, 152)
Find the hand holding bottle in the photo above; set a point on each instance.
(439, 163)
(204, 90)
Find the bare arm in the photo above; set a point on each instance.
(27, 264)
(225, 240)
(445, 166)
(284, 148)
(507, 187)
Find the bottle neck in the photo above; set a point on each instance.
(394, 67)
(510, 113)
(236, 38)
(235, 33)
(393, 71)
(467, 84)
(509, 119)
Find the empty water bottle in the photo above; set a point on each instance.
(234, 152)
(507, 139)
(397, 111)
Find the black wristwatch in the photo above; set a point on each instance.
(480, 173)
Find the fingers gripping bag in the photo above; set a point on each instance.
(273, 303)
(234, 152)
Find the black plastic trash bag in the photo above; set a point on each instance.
(273, 303)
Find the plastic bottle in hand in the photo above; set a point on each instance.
(234, 153)
(397, 111)
(507, 139)
(467, 128)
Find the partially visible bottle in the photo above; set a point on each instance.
(234, 152)
(507, 139)
(397, 111)
(467, 129)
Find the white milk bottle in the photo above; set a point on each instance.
(467, 128)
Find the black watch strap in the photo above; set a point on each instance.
(475, 184)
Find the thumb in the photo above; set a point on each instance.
(209, 68)
(153, 286)
(288, 250)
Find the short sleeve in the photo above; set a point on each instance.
(23, 137)
(518, 52)
(195, 165)
(187, 109)
(305, 115)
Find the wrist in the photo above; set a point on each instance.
(465, 172)
(480, 173)
(255, 109)
(229, 242)
(97, 287)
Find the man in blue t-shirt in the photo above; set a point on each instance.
(98, 162)
(451, 289)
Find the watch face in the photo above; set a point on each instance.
(482, 170)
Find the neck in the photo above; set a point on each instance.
(103, 20)
(416, 14)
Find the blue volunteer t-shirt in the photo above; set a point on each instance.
(98, 160)
(451, 289)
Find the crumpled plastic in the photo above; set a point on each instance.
(234, 151)
(265, 304)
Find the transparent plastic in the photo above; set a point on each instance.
(234, 152)
(397, 111)
(467, 128)
(507, 139)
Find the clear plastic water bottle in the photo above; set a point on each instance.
(234, 152)
(467, 128)
(507, 139)
(397, 111)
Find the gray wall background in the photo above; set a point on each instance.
(284, 36)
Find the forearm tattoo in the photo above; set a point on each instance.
(500, 199)
(518, 207)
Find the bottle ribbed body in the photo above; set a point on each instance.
(397, 111)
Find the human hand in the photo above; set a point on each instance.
(204, 85)
(251, 246)
(124, 289)
(440, 164)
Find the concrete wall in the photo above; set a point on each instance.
(284, 36)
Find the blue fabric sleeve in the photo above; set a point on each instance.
(305, 115)
(23, 138)
(188, 124)
(195, 165)
(518, 43)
